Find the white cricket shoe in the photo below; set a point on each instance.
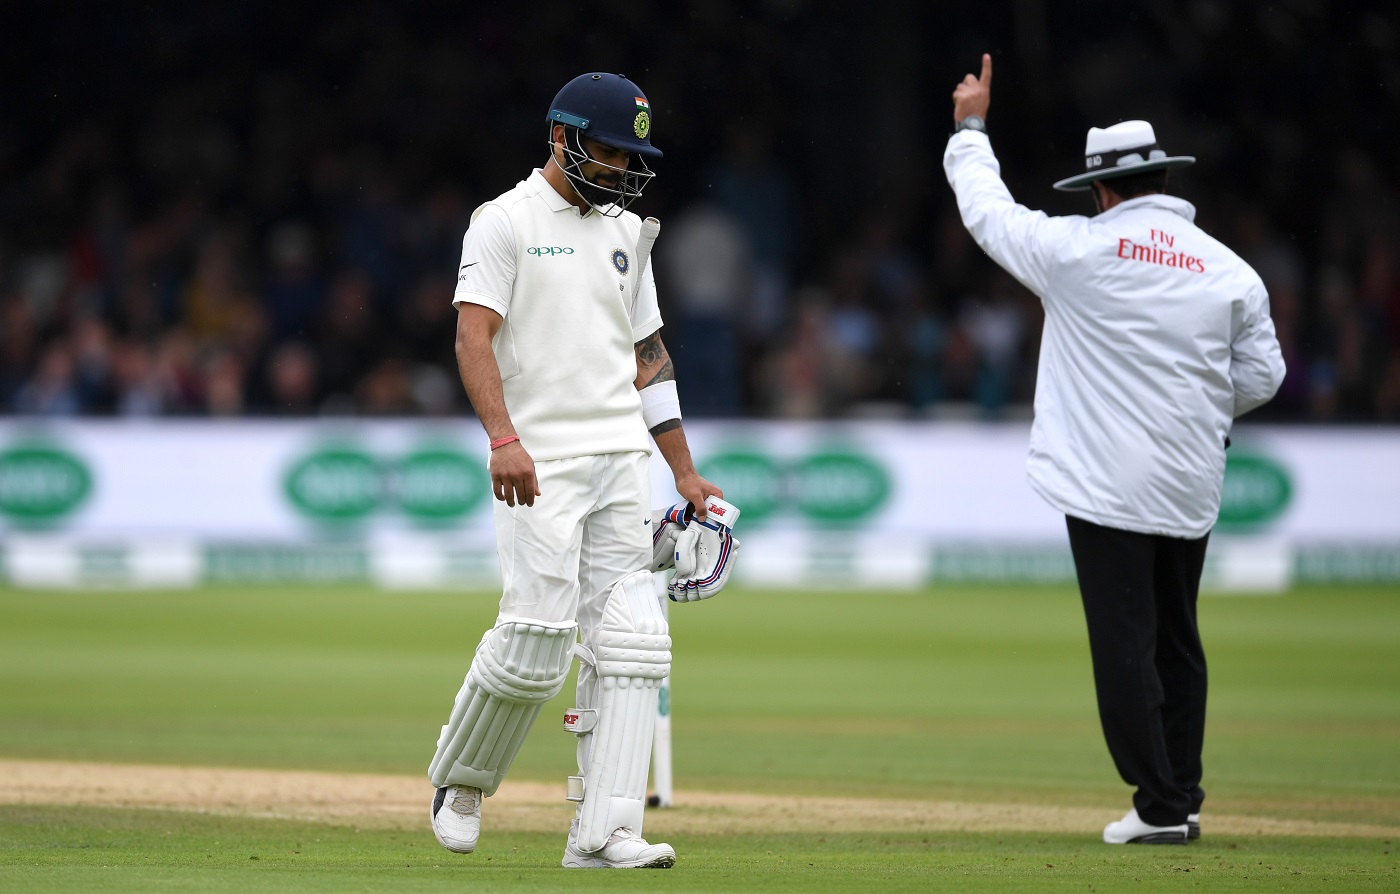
(625, 850)
(457, 817)
(1193, 826)
(1132, 830)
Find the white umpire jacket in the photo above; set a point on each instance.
(1156, 338)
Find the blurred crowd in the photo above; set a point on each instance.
(257, 210)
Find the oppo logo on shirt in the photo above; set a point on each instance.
(548, 251)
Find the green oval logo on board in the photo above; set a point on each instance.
(40, 484)
(440, 485)
(338, 484)
(831, 486)
(839, 486)
(751, 481)
(1256, 491)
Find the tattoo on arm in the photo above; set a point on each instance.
(665, 374)
(662, 427)
(650, 350)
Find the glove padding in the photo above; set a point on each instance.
(704, 553)
(666, 524)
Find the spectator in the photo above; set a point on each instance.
(755, 193)
(996, 329)
(179, 194)
(224, 392)
(51, 391)
(134, 376)
(387, 390)
(705, 262)
(292, 380)
(177, 370)
(795, 375)
(92, 365)
(18, 334)
(213, 292)
(426, 323)
(294, 290)
(349, 336)
(926, 339)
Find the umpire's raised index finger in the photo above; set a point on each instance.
(986, 78)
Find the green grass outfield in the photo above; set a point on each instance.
(970, 694)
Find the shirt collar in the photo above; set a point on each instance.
(556, 202)
(546, 191)
(1153, 200)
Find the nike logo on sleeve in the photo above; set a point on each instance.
(472, 264)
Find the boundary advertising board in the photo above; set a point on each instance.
(858, 504)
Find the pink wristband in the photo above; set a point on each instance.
(501, 442)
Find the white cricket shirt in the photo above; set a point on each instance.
(1156, 338)
(563, 286)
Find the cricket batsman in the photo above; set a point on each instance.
(559, 348)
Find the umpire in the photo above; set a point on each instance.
(1156, 338)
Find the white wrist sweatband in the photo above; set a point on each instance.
(660, 403)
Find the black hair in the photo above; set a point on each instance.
(1134, 185)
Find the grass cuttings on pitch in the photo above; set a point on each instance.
(45, 849)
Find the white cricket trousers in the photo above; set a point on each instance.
(589, 528)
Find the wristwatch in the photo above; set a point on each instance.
(971, 122)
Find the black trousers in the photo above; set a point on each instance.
(1139, 593)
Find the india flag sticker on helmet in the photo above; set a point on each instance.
(642, 103)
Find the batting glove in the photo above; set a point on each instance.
(666, 524)
(705, 553)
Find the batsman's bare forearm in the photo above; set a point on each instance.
(513, 478)
(654, 366)
(676, 451)
(476, 364)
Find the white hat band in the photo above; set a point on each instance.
(1123, 157)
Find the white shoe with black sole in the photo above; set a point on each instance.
(1193, 826)
(456, 817)
(625, 850)
(1132, 830)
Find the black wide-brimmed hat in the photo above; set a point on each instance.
(1129, 147)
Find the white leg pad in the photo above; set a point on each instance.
(630, 659)
(520, 664)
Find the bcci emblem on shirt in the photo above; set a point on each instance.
(620, 261)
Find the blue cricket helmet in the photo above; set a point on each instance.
(607, 108)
